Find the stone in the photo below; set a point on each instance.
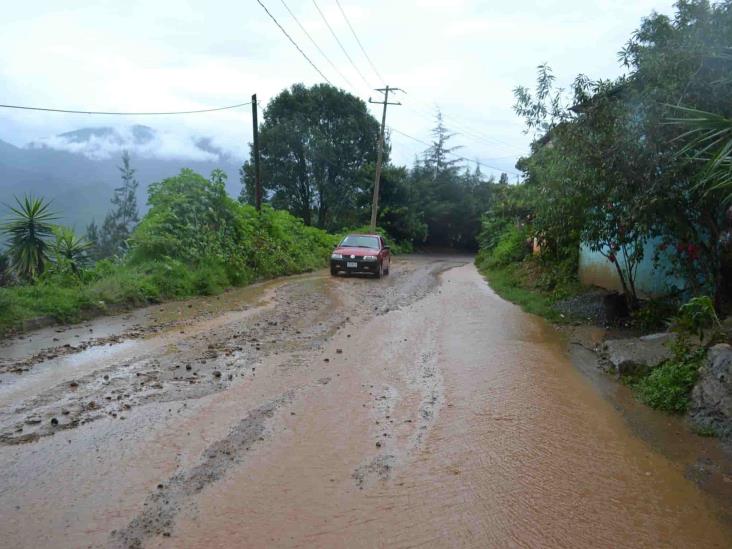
(638, 355)
(711, 399)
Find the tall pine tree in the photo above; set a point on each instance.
(122, 218)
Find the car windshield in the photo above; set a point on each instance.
(356, 241)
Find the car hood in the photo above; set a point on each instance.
(356, 251)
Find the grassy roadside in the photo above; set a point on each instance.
(525, 283)
(282, 247)
(109, 288)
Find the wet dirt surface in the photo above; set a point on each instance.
(419, 409)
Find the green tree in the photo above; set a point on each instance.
(92, 236)
(122, 218)
(439, 157)
(610, 167)
(71, 252)
(400, 208)
(190, 218)
(6, 274)
(451, 202)
(313, 144)
(28, 231)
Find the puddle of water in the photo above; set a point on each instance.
(15, 388)
(524, 452)
(168, 314)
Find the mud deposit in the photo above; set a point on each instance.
(319, 411)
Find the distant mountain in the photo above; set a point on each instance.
(78, 170)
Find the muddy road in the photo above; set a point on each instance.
(417, 410)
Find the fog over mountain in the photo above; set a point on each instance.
(78, 170)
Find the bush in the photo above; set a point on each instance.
(652, 315)
(511, 247)
(194, 240)
(697, 317)
(668, 386)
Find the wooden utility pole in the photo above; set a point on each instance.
(257, 175)
(380, 153)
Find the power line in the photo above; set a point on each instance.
(48, 109)
(464, 128)
(360, 45)
(479, 163)
(322, 15)
(294, 43)
(475, 137)
(316, 45)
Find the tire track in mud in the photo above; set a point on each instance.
(162, 506)
(302, 315)
(191, 368)
(422, 377)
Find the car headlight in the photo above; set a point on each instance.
(369, 258)
(336, 256)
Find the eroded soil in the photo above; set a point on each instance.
(319, 411)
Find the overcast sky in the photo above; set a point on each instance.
(464, 55)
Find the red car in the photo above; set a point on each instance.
(361, 253)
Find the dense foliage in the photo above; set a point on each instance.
(313, 144)
(318, 150)
(617, 164)
(121, 219)
(668, 386)
(194, 240)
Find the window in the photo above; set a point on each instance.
(359, 241)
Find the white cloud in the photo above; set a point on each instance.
(164, 145)
(465, 55)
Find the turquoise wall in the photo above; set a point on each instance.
(651, 281)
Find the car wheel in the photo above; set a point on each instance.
(380, 272)
(333, 271)
(386, 271)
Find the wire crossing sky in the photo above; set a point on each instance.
(465, 56)
(113, 113)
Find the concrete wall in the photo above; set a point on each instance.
(596, 270)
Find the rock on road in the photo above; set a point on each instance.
(311, 411)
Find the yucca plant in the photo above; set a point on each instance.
(70, 251)
(28, 231)
(6, 276)
(709, 141)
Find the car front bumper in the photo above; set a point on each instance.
(361, 266)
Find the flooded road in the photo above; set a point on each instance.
(419, 409)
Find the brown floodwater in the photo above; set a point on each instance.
(452, 420)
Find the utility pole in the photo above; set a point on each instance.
(257, 175)
(380, 153)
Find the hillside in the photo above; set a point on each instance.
(78, 169)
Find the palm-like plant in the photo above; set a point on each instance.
(5, 274)
(709, 141)
(71, 251)
(28, 231)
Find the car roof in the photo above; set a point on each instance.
(362, 234)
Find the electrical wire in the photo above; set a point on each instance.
(294, 43)
(108, 113)
(360, 45)
(457, 156)
(322, 15)
(312, 40)
(474, 136)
